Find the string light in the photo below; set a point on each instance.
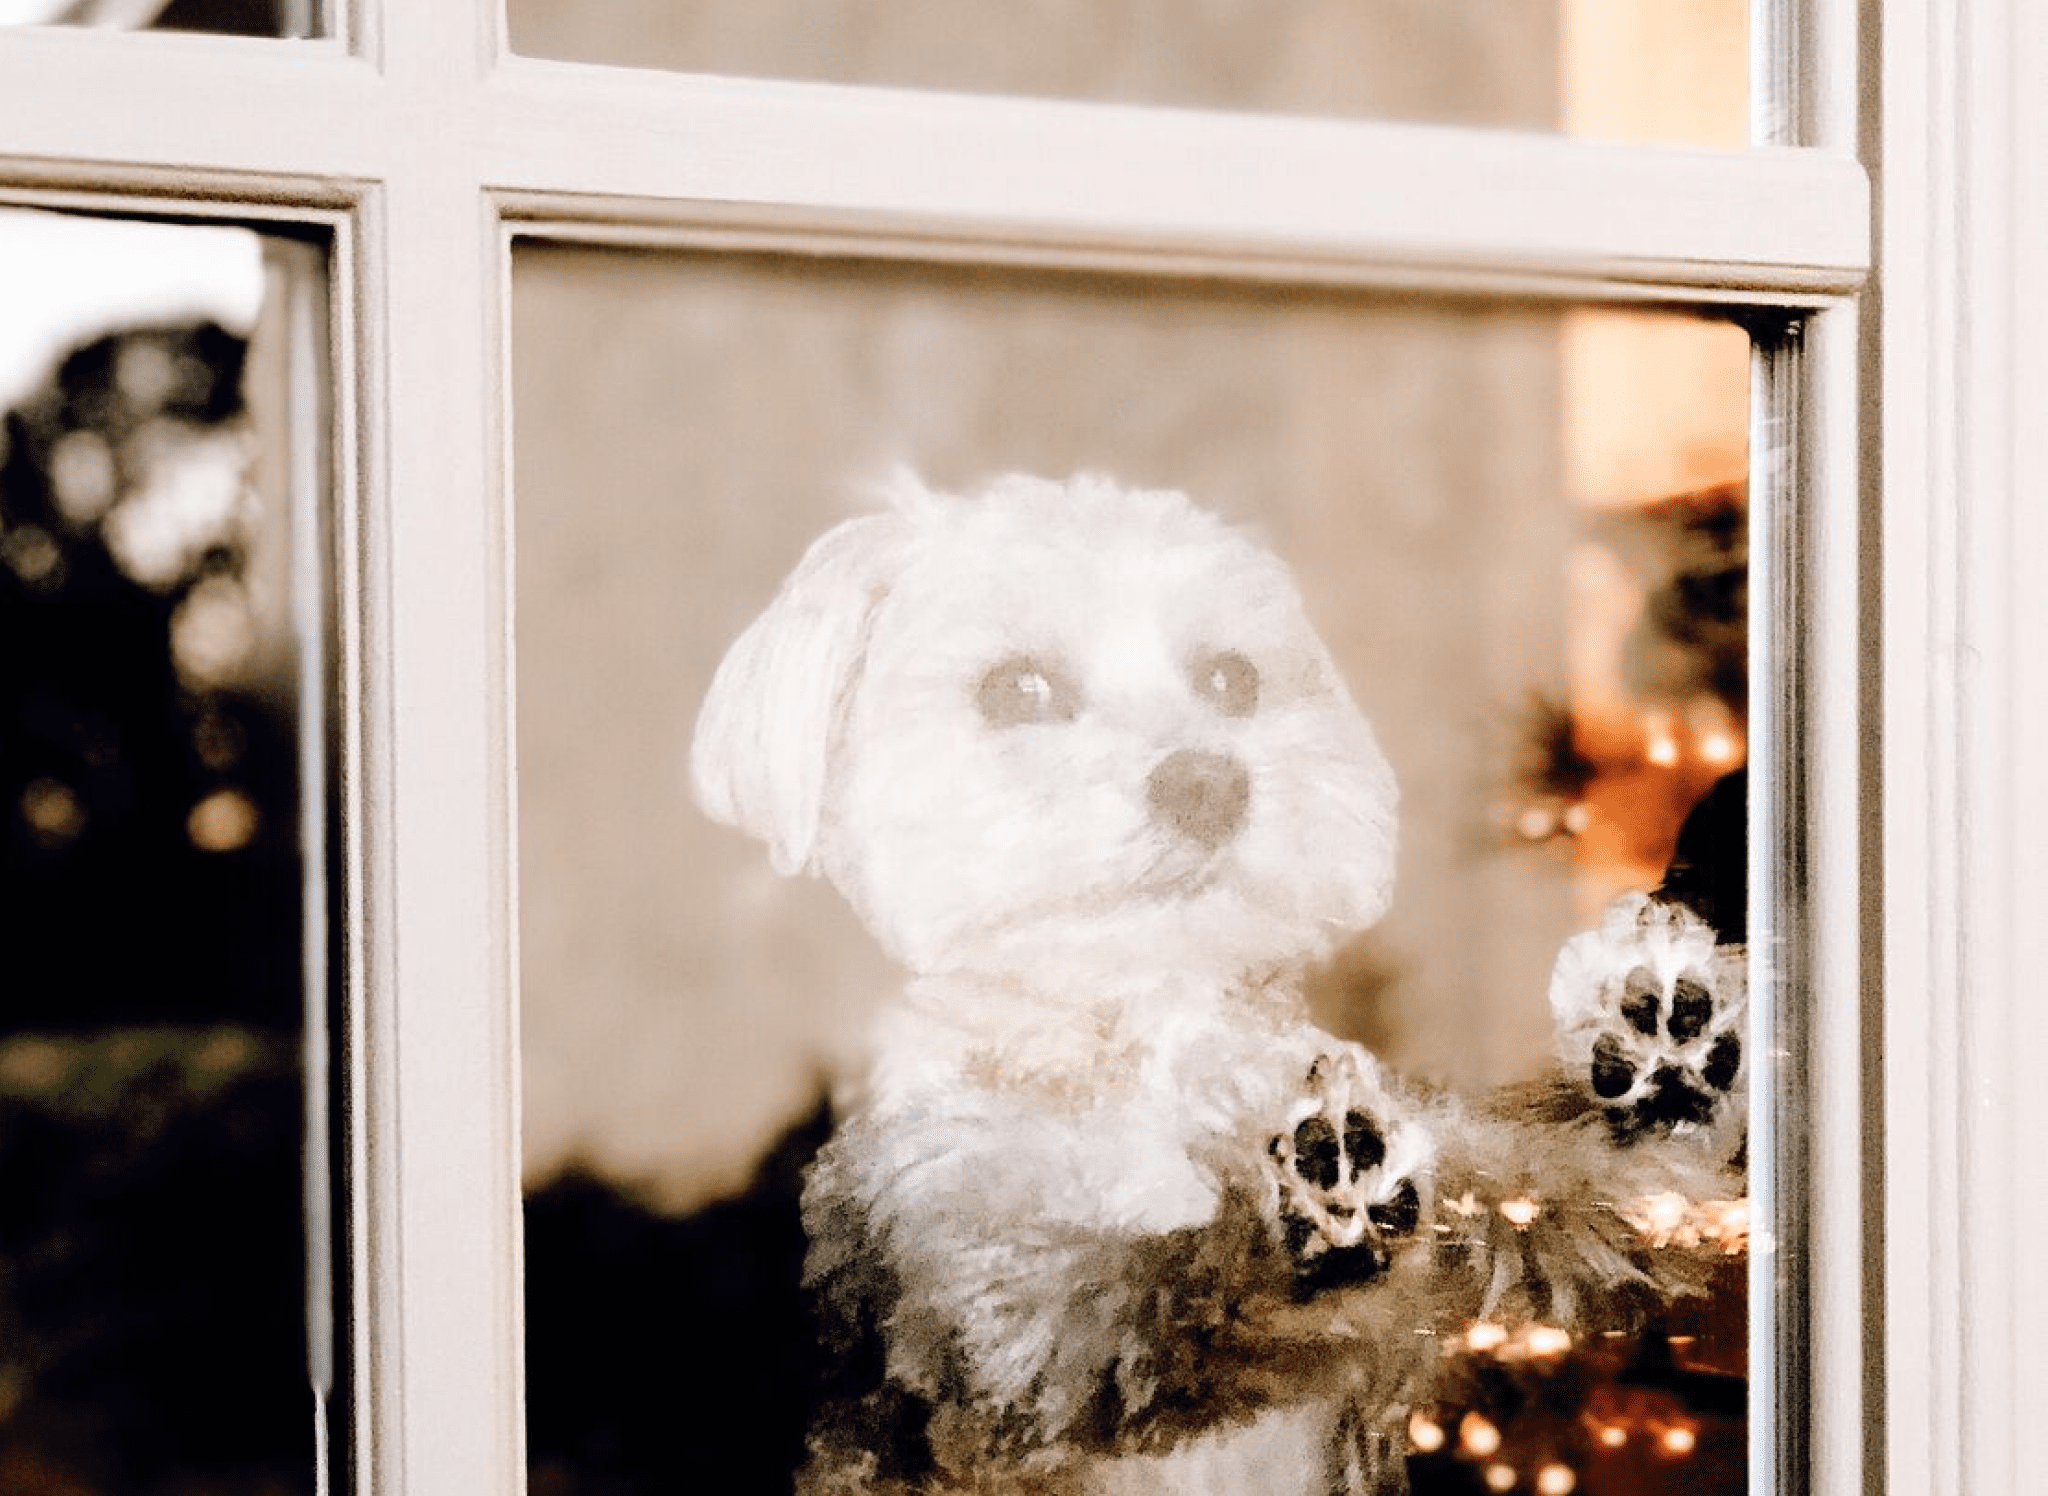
(1672, 1220)
(1425, 1434)
(1659, 1217)
(1531, 1342)
(1677, 1440)
(224, 821)
(1478, 1436)
(1500, 1477)
(1556, 1479)
(1547, 1340)
(1486, 1336)
(53, 811)
(34, 557)
(1718, 748)
(1728, 1224)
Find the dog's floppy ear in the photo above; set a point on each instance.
(765, 735)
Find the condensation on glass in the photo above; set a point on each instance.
(1521, 531)
(279, 18)
(160, 858)
(1608, 69)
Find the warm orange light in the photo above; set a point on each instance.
(1485, 1336)
(1520, 1212)
(53, 811)
(1659, 1217)
(1718, 749)
(1728, 1223)
(1478, 1436)
(1547, 1340)
(223, 822)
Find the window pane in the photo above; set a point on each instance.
(283, 18)
(1613, 69)
(1520, 533)
(154, 870)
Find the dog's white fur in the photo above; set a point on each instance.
(843, 727)
(1103, 1027)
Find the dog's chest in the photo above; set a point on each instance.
(1137, 1102)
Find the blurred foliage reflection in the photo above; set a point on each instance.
(151, 1244)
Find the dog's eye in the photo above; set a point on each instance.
(1024, 689)
(1227, 681)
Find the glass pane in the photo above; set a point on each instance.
(1614, 69)
(1518, 531)
(155, 869)
(283, 18)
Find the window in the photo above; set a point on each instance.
(417, 149)
(162, 879)
(1528, 571)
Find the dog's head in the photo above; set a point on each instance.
(1056, 728)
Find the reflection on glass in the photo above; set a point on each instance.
(1612, 69)
(1520, 533)
(283, 18)
(153, 1328)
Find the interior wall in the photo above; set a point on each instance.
(1452, 61)
(1672, 70)
(684, 426)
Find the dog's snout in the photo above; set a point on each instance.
(1202, 796)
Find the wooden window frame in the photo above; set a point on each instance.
(1900, 690)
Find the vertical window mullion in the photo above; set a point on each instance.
(439, 1360)
(1807, 1169)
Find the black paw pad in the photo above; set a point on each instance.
(1612, 1074)
(1692, 1006)
(1362, 1141)
(1724, 1063)
(1317, 1154)
(1650, 1010)
(1345, 1195)
(1666, 1054)
(1326, 1160)
(1641, 1002)
(1673, 1098)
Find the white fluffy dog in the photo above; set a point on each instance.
(1107, 1213)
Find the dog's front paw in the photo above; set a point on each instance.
(1350, 1174)
(1649, 1015)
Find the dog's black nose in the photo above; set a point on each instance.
(1203, 796)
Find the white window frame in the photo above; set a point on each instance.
(422, 148)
